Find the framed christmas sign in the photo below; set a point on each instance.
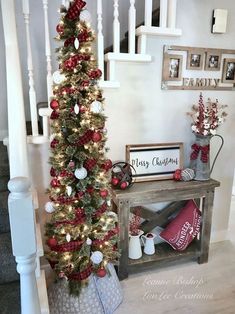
(155, 161)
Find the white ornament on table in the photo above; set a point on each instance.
(68, 237)
(85, 16)
(80, 173)
(97, 257)
(76, 109)
(58, 78)
(76, 43)
(69, 190)
(96, 107)
(49, 207)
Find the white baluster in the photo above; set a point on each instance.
(172, 6)
(100, 38)
(163, 13)
(148, 12)
(32, 93)
(22, 222)
(116, 28)
(18, 158)
(132, 25)
(48, 51)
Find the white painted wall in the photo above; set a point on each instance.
(140, 112)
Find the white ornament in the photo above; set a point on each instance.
(85, 16)
(109, 203)
(88, 241)
(76, 109)
(49, 207)
(69, 190)
(76, 43)
(97, 257)
(80, 173)
(68, 237)
(58, 78)
(96, 107)
(52, 136)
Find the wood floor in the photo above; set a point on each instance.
(187, 288)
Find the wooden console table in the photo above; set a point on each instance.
(162, 191)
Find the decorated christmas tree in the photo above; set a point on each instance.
(82, 232)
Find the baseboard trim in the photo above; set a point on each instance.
(218, 236)
(3, 134)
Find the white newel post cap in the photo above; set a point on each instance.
(18, 186)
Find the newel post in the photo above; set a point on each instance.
(22, 222)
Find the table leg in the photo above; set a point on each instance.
(123, 219)
(207, 207)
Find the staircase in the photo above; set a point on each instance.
(9, 278)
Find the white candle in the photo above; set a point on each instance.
(26, 6)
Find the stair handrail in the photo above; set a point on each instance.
(23, 237)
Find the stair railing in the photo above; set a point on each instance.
(32, 93)
(22, 222)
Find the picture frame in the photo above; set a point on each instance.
(228, 75)
(172, 67)
(195, 59)
(213, 60)
(154, 161)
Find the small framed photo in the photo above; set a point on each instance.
(195, 59)
(213, 61)
(229, 71)
(155, 161)
(172, 67)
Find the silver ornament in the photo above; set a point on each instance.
(49, 207)
(187, 174)
(80, 173)
(96, 107)
(76, 109)
(85, 16)
(88, 241)
(69, 190)
(68, 237)
(58, 78)
(97, 257)
(76, 43)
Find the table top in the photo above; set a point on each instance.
(169, 186)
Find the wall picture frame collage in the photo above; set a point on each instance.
(213, 68)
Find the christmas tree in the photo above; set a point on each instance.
(82, 232)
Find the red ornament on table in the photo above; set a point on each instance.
(115, 181)
(54, 104)
(124, 185)
(104, 193)
(96, 137)
(52, 242)
(177, 175)
(101, 272)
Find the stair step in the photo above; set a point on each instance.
(3, 183)
(7, 261)
(4, 216)
(10, 298)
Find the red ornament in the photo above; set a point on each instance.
(52, 242)
(89, 164)
(94, 74)
(54, 115)
(54, 104)
(107, 165)
(52, 172)
(115, 181)
(54, 143)
(177, 175)
(90, 189)
(71, 164)
(70, 64)
(101, 272)
(55, 183)
(60, 29)
(104, 193)
(85, 83)
(82, 109)
(96, 137)
(80, 213)
(124, 185)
